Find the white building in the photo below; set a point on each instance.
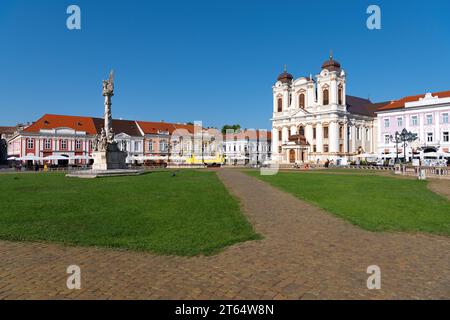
(427, 115)
(314, 119)
(247, 147)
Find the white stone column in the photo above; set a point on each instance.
(319, 137)
(345, 137)
(353, 138)
(275, 142)
(309, 133)
(285, 135)
(333, 137)
(293, 130)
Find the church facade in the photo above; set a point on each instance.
(314, 119)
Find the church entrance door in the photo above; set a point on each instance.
(292, 156)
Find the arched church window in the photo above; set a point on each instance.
(301, 131)
(340, 96)
(326, 97)
(301, 100)
(280, 104)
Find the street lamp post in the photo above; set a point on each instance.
(403, 137)
(396, 139)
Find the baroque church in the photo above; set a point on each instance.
(314, 119)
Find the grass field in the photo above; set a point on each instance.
(373, 202)
(189, 214)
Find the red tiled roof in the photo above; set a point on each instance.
(155, 127)
(7, 130)
(53, 121)
(399, 104)
(251, 134)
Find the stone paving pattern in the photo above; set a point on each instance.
(306, 253)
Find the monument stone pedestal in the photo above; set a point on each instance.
(111, 159)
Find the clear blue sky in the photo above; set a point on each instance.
(210, 60)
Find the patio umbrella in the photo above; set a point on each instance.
(55, 157)
(11, 158)
(29, 158)
(81, 158)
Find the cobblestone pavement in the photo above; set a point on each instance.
(305, 254)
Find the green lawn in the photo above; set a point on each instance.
(189, 214)
(373, 202)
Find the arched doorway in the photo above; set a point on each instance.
(292, 156)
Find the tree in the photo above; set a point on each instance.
(3, 150)
(235, 127)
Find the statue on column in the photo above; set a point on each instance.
(108, 92)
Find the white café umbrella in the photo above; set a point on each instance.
(29, 158)
(12, 158)
(81, 158)
(55, 157)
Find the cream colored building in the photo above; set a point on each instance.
(314, 119)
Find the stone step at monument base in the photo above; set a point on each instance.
(91, 174)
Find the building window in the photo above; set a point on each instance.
(314, 133)
(301, 100)
(162, 146)
(386, 139)
(30, 143)
(429, 119)
(137, 146)
(399, 122)
(341, 148)
(64, 144)
(326, 97)
(367, 134)
(445, 136)
(341, 132)
(414, 120)
(445, 118)
(280, 104)
(279, 149)
(325, 148)
(314, 148)
(47, 144)
(386, 123)
(325, 132)
(150, 146)
(280, 135)
(301, 131)
(124, 146)
(340, 100)
(429, 137)
(77, 144)
(358, 133)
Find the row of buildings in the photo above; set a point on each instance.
(314, 119)
(69, 140)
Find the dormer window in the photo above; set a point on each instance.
(326, 97)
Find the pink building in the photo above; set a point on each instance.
(427, 115)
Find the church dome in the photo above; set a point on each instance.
(331, 64)
(285, 77)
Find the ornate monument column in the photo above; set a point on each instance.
(106, 153)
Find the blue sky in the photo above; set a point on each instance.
(213, 61)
